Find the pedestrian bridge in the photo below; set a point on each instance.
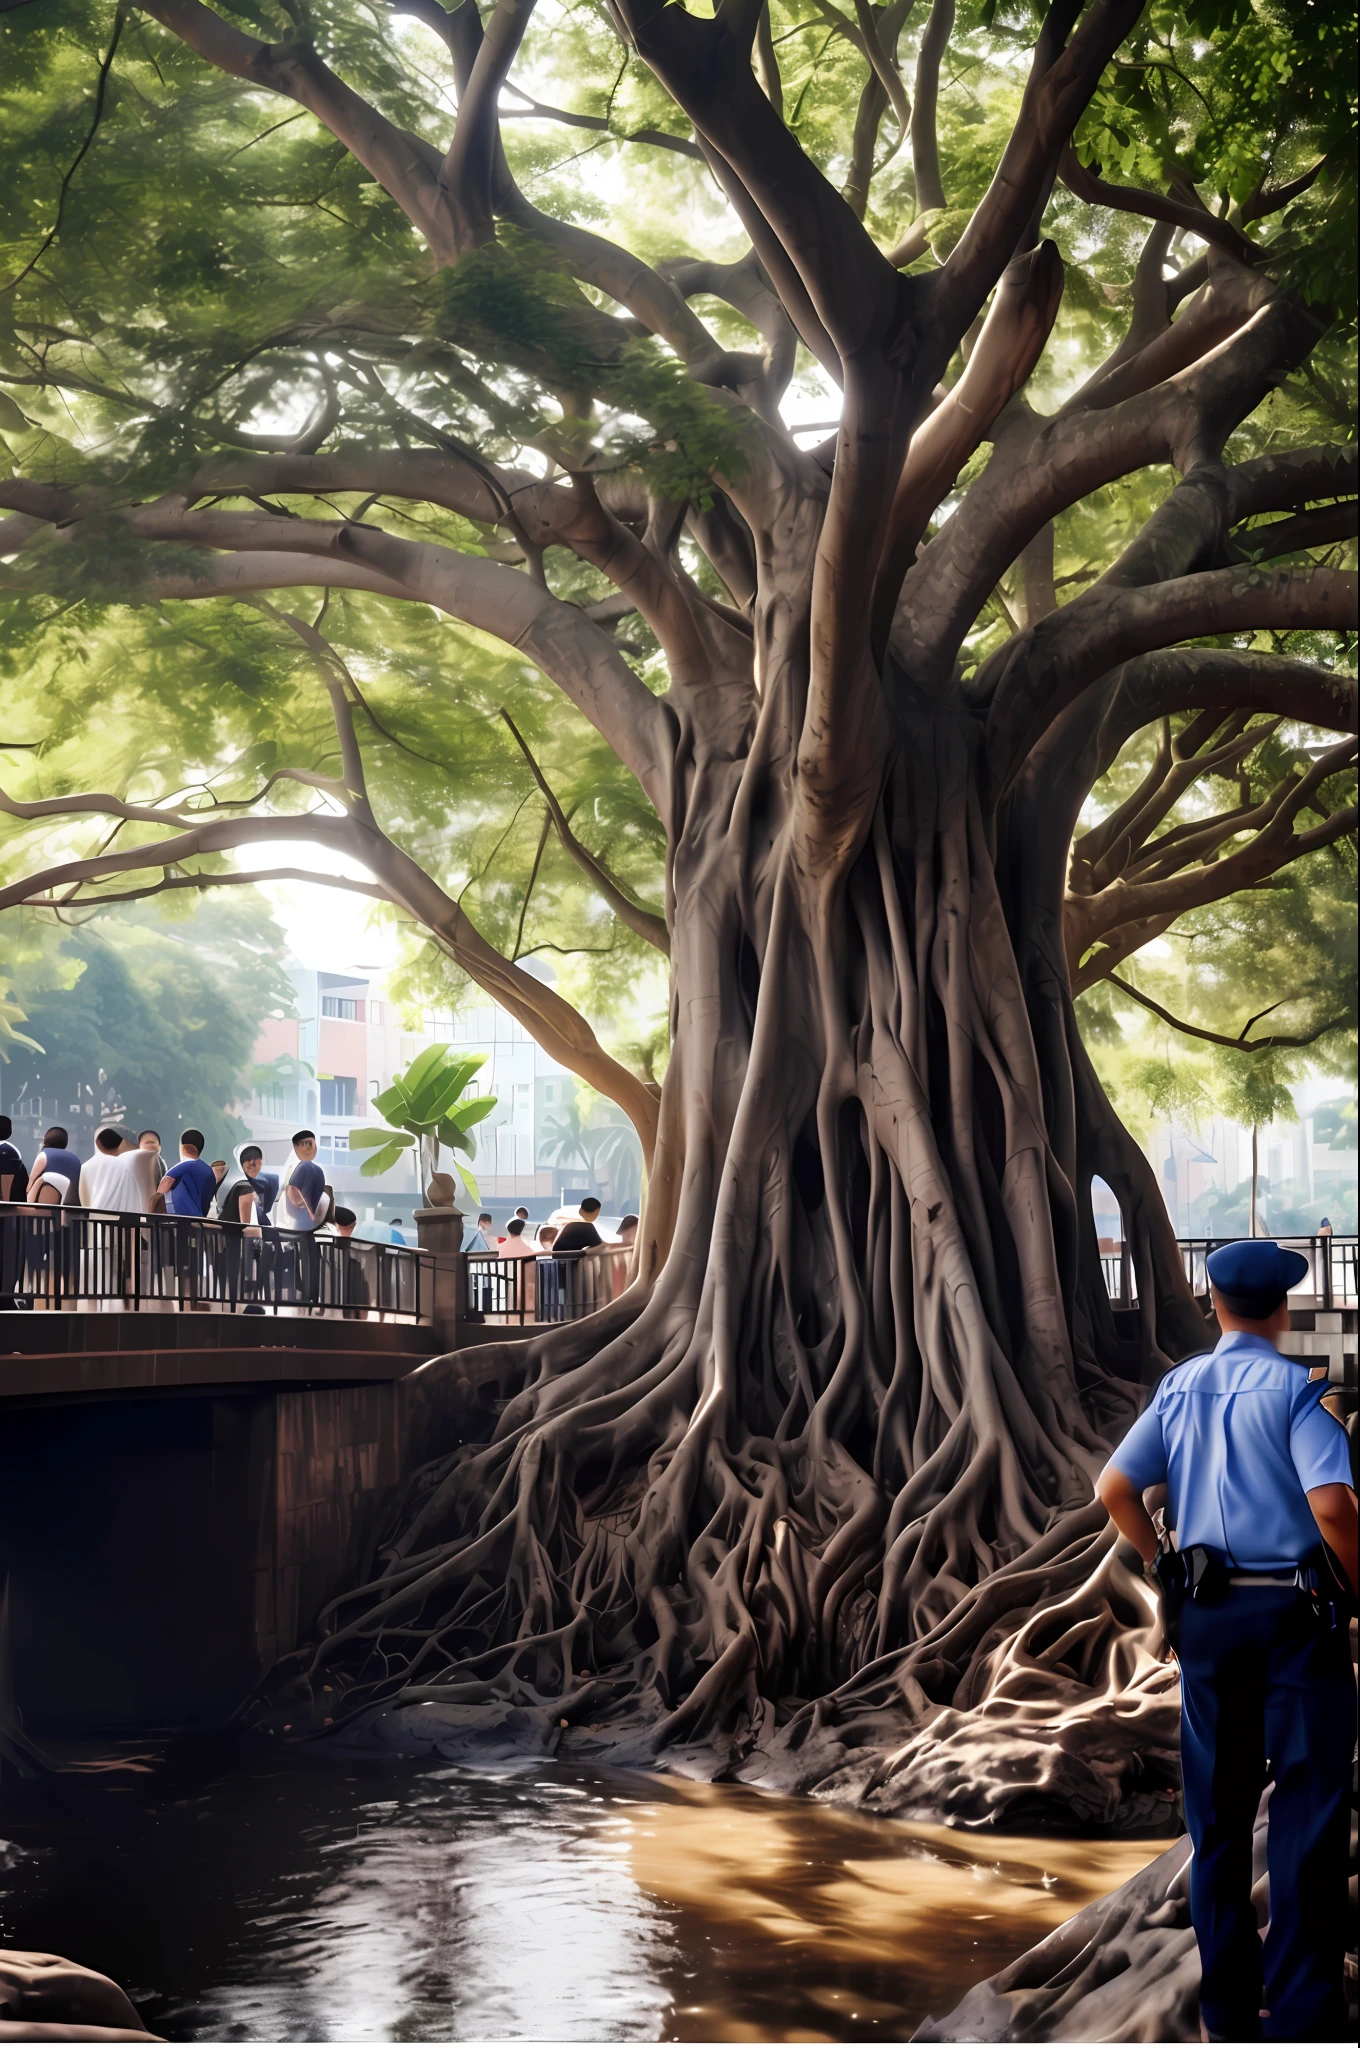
(202, 1435)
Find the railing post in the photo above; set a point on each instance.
(1125, 1275)
(1322, 1246)
(440, 1232)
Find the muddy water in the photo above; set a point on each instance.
(395, 1901)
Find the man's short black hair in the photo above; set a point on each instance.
(194, 1139)
(250, 1152)
(590, 1207)
(148, 1133)
(515, 1227)
(522, 1213)
(108, 1140)
(300, 1136)
(55, 1136)
(6, 1127)
(624, 1222)
(1253, 1308)
(345, 1216)
(485, 1216)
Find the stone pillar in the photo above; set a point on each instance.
(440, 1231)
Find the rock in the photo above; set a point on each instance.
(45, 1998)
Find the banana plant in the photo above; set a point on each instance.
(423, 1108)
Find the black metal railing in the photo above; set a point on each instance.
(1330, 1283)
(68, 1258)
(551, 1288)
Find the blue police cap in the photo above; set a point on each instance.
(1255, 1275)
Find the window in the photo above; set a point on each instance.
(337, 1095)
(340, 1006)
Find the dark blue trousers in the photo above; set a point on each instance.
(1266, 1693)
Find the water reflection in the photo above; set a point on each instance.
(394, 1901)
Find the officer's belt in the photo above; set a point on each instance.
(1295, 1577)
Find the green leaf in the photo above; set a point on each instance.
(394, 1103)
(380, 1161)
(469, 1183)
(424, 1063)
(472, 1112)
(364, 1140)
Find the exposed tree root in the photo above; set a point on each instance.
(814, 1500)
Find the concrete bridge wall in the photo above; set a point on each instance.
(174, 1516)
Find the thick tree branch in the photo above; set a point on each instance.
(272, 552)
(469, 170)
(403, 165)
(1013, 336)
(1039, 673)
(1060, 84)
(925, 144)
(1222, 679)
(1320, 528)
(705, 66)
(562, 1032)
(1039, 470)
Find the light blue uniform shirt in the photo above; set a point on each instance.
(1240, 1438)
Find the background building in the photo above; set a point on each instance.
(323, 1068)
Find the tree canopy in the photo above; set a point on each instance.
(269, 297)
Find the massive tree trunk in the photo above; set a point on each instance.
(838, 1441)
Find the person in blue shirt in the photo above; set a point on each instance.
(190, 1184)
(1257, 1474)
(305, 1205)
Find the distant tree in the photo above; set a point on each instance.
(147, 1022)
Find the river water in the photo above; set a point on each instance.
(395, 1900)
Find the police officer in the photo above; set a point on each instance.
(1257, 1472)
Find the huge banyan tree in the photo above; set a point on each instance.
(308, 311)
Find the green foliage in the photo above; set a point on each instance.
(213, 265)
(514, 302)
(424, 1107)
(1235, 96)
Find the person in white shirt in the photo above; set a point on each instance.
(111, 1179)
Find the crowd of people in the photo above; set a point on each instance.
(562, 1233)
(263, 1228)
(266, 1230)
(129, 1176)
